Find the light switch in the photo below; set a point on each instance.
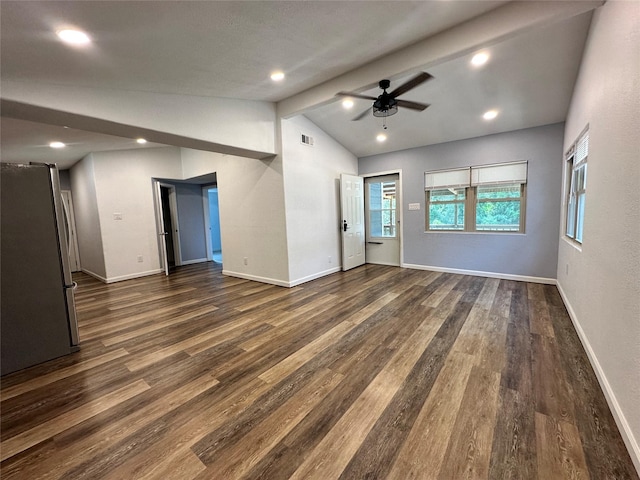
(414, 206)
(117, 216)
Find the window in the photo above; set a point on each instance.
(576, 174)
(499, 208)
(446, 209)
(487, 198)
(382, 209)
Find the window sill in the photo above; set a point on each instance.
(473, 233)
(572, 243)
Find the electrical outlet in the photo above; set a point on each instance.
(329, 258)
(246, 261)
(140, 259)
(117, 216)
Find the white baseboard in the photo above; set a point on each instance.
(281, 283)
(255, 278)
(197, 260)
(618, 415)
(122, 277)
(477, 273)
(388, 264)
(308, 278)
(94, 275)
(134, 275)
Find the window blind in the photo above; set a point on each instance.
(455, 178)
(582, 148)
(515, 172)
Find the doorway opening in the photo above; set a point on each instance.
(212, 223)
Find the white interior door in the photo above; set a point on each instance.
(352, 228)
(382, 220)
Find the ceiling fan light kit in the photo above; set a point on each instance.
(386, 104)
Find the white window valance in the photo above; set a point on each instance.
(501, 173)
(455, 178)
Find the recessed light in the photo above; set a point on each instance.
(347, 103)
(74, 37)
(490, 115)
(479, 59)
(277, 76)
(141, 140)
(57, 145)
(381, 137)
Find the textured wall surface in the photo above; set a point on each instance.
(600, 280)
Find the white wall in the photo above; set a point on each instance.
(312, 198)
(123, 184)
(87, 218)
(252, 218)
(602, 286)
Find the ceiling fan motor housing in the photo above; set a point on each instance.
(386, 104)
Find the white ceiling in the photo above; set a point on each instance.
(228, 49)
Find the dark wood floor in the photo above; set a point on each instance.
(376, 373)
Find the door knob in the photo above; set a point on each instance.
(344, 225)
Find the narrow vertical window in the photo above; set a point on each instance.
(576, 171)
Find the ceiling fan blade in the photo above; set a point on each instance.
(408, 85)
(362, 115)
(355, 95)
(412, 105)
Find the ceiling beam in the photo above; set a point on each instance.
(35, 113)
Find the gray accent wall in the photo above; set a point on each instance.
(532, 254)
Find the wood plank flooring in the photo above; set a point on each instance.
(375, 373)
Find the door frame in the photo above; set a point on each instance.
(398, 202)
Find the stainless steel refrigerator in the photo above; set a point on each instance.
(37, 311)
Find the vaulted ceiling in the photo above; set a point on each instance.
(229, 48)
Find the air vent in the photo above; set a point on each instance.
(306, 139)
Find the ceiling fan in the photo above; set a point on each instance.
(387, 104)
